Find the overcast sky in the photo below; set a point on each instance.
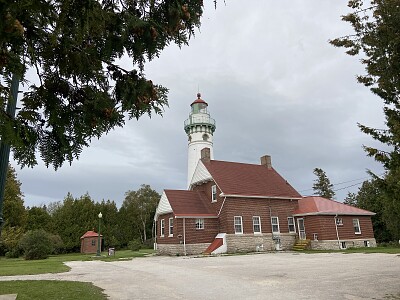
(274, 85)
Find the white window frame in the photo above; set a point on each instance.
(256, 223)
(339, 221)
(357, 226)
(275, 224)
(293, 224)
(199, 224)
(239, 223)
(162, 227)
(214, 193)
(171, 227)
(343, 245)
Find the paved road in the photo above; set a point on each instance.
(260, 276)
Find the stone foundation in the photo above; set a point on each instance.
(256, 243)
(334, 245)
(178, 249)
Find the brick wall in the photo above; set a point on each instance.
(324, 226)
(193, 235)
(87, 246)
(264, 208)
(206, 188)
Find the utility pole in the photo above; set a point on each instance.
(5, 148)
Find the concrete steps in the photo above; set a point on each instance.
(301, 245)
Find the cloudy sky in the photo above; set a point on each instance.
(274, 85)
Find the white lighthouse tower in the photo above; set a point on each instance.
(200, 128)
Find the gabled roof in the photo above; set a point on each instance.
(90, 233)
(315, 205)
(240, 179)
(188, 204)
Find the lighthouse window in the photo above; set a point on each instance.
(205, 137)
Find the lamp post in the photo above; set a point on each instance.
(98, 237)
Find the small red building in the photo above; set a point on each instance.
(89, 242)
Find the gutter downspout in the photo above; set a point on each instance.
(221, 206)
(337, 232)
(155, 234)
(184, 237)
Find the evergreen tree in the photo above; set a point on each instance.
(75, 47)
(376, 25)
(322, 185)
(14, 209)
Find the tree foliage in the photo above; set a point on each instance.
(322, 185)
(371, 196)
(36, 244)
(138, 210)
(75, 48)
(376, 38)
(14, 209)
(38, 218)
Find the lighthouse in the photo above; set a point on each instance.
(199, 128)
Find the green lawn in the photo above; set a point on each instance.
(389, 250)
(49, 289)
(54, 264)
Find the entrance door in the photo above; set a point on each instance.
(302, 230)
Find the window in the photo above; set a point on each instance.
(356, 225)
(214, 193)
(256, 224)
(162, 227)
(290, 221)
(367, 244)
(93, 242)
(199, 223)
(275, 224)
(339, 221)
(315, 236)
(343, 245)
(171, 227)
(238, 224)
(205, 137)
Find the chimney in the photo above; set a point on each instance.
(205, 154)
(266, 161)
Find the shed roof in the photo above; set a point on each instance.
(315, 205)
(243, 179)
(90, 233)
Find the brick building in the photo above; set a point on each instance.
(238, 207)
(89, 242)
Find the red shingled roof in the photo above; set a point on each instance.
(315, 205)
(189, 203)
(199, 101)
(90, 233)
(249, 180)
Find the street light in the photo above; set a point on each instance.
(98, 237)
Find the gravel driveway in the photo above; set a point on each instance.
(284, 275)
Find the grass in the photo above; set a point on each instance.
(388, 250)
(55, 263)
(48, 289)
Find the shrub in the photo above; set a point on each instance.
(57, 244)
(135, 245)
(12, 253)
(36, 244)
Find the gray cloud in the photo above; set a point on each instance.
(274, 85)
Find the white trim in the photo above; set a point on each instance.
(272, 225)
(257, 197)
(201, 222)
(163, 207)
(162, 227)
(196, 217)
(294, 225)
(358, 225)
(259, 225)
(241, 224)
(169, 227)
(214, 193)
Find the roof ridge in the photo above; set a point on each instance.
(241, 163)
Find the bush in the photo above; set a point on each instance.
(12, 253)
(36, 244)
(135, 245)
(57, 244)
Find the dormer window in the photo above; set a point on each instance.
(214, 193)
